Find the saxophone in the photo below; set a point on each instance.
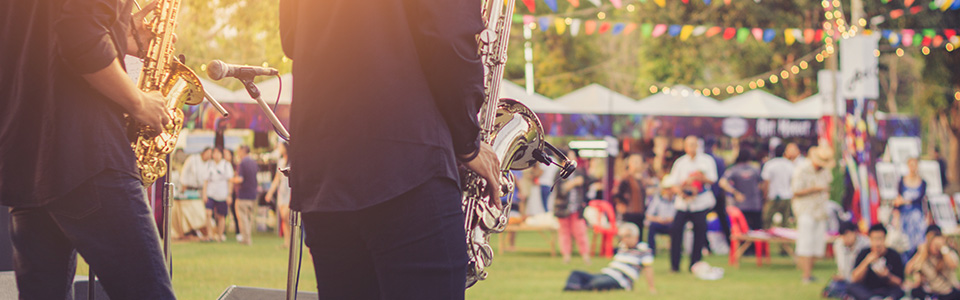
(178, 84)
(516, 136)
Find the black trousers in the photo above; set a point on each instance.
(754, 219)
(635, 219)
(699, 220)
(861, 292)
(918, 293)
(409, 247)
(721, 209)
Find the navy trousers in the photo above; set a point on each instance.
(108, 222)
(583, 281)
(409, 247)
(861, 292)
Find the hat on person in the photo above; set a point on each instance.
(821, 156)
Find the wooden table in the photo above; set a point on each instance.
(548, 233)
(745, 241)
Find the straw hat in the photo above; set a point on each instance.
(821, 156)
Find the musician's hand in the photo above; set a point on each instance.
(151, 110)
(140, 32)
(487, 165)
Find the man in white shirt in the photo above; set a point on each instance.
(692, 174)
(776, 176)
(194, 174)
(811, 188)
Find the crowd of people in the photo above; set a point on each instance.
(228, 183)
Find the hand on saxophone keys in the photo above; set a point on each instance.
(151, 111)
(487, 165)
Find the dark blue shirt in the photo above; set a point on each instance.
(248, 171)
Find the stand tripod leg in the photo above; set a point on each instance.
(167, 206)
(91, 284)
(296, 248)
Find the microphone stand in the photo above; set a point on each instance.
(296, 226)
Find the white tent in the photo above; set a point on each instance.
(760, 104)
(818, 105)
(218, 92)
(681, 101)
(269, 89)
(596, 99)
(536, 102)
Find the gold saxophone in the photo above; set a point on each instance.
(515, 134)
(178, 84)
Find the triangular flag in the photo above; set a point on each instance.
(595, 2)
(934, 5)
(808, 35)
(937, 41)
(949, 33)
(894, 39)
(544, 23)
(685, 32)
(618, 28)
(769, 35)
(818, 35)
(929, 32)
(884, 1)
(788, 37)
(527, 19)
(660, 3)
(574, 3)
(604, 27)
(574, 27)
(896, 14)
(797, 34)
(917, 39)
(616, 3)
(907, 37)
(907, 3)
(630, 28)
(715, 30)
(699, 30)
(560, 24)
(742, 34)
(726, 2)
(955, 6)
(646, 30)
(659, 30)
(674, 30)
(757, 33)
(916, 9)
(552, 4)
(531, 6)
(590, 26)
(946, 5)
(706, 2)
(685, 1)
(729, 33)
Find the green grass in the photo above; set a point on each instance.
(204, 270)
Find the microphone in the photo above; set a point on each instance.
(217, 70)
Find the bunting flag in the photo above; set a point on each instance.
(560, 24)
(769, 35)
(798, 34)
(706, 2)
(616, 3)
(552, 4)
(757, 33)
(574, 27)
(917, 39)
(673, 30)
(595, 2)
(715, 30)
(685, 32)
(630, 28)
(729, 33)
(531, 6)
(618, 28)
(808, 36)
(659, 30)
(646, 30)
(907, 3)
(699, 30)
(604, 27)
(788, 37)
(660, 3)
(590, 26)
(544, 23)
(527, 19)
(574, 3)
(937, 41)
(742, 35)
(946, 5)
(907, 38)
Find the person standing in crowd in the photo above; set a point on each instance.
(878, 271)
(934, 269)
(194, 173)
(943, 167)
(660, 213)
(845, 250)
(632, 258)
(811, 191)
(281, 187)
(720, 208)
(742, 180)
(548, 176)
(776, 174)
(217, 192)
(409, 82)
(67, 172)
(246, 203)
(911, 204)
(632, 193)
(692, 173)
(231, 159)
(568, 208)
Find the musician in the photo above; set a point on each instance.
(67, 171)
(384, 108)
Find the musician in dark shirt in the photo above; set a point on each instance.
(67, 171)
(384, 107)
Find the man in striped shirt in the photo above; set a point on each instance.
(623, 270)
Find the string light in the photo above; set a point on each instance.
(203, 67)
(730, 89)
(900, 52)
(630, 8)
(697, 92)
(795, 69)
(761, 83)
(876, 52)
(753, 85)
(601, 15)
(784, 74)
(653, 89)
(739, 89)
(706, 92)
(568, 21)
(666, 90)
(774, 79)
(804, 65)
(265, 65)
(925, 50)
(949, 47)
(716, 91)
(819, 57)
(956, 96)
(285, 59)
(863, 22)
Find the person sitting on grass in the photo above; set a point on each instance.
(631, 258)
(879, 272)
(934, 269)
(845, 251)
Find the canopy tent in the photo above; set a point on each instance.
(536, 102)
(596, 99)
(818, 104)
(681, 101)
(218, 92)
(760, 104)
(269, 89)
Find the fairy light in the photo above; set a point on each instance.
(925, 50)
(784, 74)
(716, 91)
(696, 92)
(203, 67)
(730, 89)
(795, 69)
(568, 21)
(532, 25)
(601, 15)
(956, 96)
(653, 89)
(706, 92)
(900, 52)
(753, 85)
(836, 14)
(630, 8)
(828, 15)
(265, 65)
(819, 57)
(666, 90)
(285, 59)
(836, 3)
(739, 89)
(774, 79)
(862, 22)
(949, 47)
(804, 65)
(876, 52)
(761, 83)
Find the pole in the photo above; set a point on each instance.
(528, 57)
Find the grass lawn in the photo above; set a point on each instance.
(204, 270)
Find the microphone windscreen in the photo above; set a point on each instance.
(216, 70)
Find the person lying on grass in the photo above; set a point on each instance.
(632, 257)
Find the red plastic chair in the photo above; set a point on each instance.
(607, 232)
(739, 226)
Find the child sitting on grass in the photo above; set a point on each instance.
(631, 258)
